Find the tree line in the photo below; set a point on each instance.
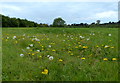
(58, 22)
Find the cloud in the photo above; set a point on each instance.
(9, 7)
(107, 14)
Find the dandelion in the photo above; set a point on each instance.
(83, 58)
(112, 47)
(114, 59)
(88, 39)
(48, 55)
(7, 37)
(45, 71)
(105, 59)
(49, 46)
(60, 60)
(27, 47)
(33, 54)
(85, 47)
(53, 50)
(21, 55)
(109, 35)
(40, 56)
(97, 46)
(51, 58)
(31, 45)
(106, 46)
(31, 50)
(76, 47)
(38, 50)
(14, 37)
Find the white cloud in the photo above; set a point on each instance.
(9, 7)
(107, 14)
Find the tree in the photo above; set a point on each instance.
(98, 21)
(58, 22)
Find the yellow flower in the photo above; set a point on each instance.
(16, 42)
(6, 39)
(33, 54)
(80, 45)
(39, 42)
(71, 54)
(47, 38)
(97, 46)
(42, 49)
(69, 51)
(53, 50)
(60, 60)
(85, 47)
(29, 53)
(45, 71)
(112, 47)
(105, 59)
(114, 59)
(40, 56)
(83, 58)
(76, 47)
(30, 49)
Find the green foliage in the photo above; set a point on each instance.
(59, 22)
(72, 68)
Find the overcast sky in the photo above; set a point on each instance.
(71, 12)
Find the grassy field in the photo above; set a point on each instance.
(60, 54)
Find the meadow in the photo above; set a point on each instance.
(60, 54)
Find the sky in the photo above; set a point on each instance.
(71, 12)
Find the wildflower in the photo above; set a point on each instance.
(40, 56)
(33, 54)
(7, 37)
(71, 54)
(105, 59)
(97, 46)
(16, 42)
(88, 39)
(21, 55)
(112, 47)
(83, 58)
(27, 47)
(31, 45)
(69, 51)
(30, 49)
(76, 47)
(106, 46)
(109, 35)
(45, 71)
(14, 37)
(38, 50)
(60, 60)
(53, 50)
(48, 55)
(85, 47)
(49, 46)
(51, 58)
(114, 59)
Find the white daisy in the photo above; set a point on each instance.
(21, 55)
(109, 34)
(27, 47)
(48, 55)
(49, 46)
(31, 45)
(51, 58)
(14, 37)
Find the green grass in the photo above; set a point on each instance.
(68, 46)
